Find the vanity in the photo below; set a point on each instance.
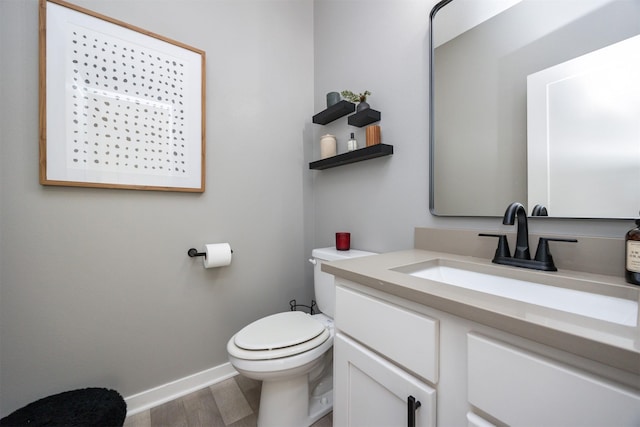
(429, 337)
(439, 335)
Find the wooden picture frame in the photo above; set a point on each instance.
(120, 107)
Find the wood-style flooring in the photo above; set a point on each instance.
(230, 403)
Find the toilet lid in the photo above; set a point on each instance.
(278, 331)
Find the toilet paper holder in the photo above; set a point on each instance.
(193, 252)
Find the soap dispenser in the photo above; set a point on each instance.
(632, 255)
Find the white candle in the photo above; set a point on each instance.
(327, 146)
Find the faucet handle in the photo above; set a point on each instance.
(503, 245)
(542, 253)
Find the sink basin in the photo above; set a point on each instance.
(603, 307)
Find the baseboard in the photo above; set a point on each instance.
(157, 396)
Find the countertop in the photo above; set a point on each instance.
(606, 342)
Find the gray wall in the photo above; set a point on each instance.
(96, 287)
(382, 46)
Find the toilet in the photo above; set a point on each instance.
(291, 353)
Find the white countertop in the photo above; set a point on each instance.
(606, 342)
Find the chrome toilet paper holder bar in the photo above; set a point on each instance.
(193, 252)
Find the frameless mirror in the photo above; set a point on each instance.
(535, 101)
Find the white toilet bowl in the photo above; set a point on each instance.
(291, 353)
(296, 373)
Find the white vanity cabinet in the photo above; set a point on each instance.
(519, 387)
(388, 348)
(369, 389)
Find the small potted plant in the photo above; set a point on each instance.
(360, 98)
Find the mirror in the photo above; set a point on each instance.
(505, 75)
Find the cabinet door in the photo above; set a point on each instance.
(521, 388)
(369, 391)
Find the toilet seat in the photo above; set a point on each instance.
(279, 335)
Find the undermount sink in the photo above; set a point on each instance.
(618, 310)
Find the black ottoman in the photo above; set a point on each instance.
(85, 407)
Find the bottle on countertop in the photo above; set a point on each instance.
(352, 144)
(632, 255)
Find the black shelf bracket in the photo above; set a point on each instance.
(366, 153)
(334, 112)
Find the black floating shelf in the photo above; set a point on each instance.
(366, 153)
(364, 117)
(334, 112)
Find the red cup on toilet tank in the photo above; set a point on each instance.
(343, 241)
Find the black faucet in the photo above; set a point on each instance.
(516, 210)
(539, 210)
(522, 256)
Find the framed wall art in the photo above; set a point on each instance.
(120, 107)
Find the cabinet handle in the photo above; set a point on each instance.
(412, 406)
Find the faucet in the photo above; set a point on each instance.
(539, 210)
(516, 210)
(522, 256)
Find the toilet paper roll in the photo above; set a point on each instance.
(218, 255)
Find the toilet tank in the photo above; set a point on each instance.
(323, 283)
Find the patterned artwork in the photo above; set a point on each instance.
(126, 106)
(131, 111)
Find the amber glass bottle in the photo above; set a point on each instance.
(632, 255)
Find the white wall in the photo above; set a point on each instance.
(96, 288)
